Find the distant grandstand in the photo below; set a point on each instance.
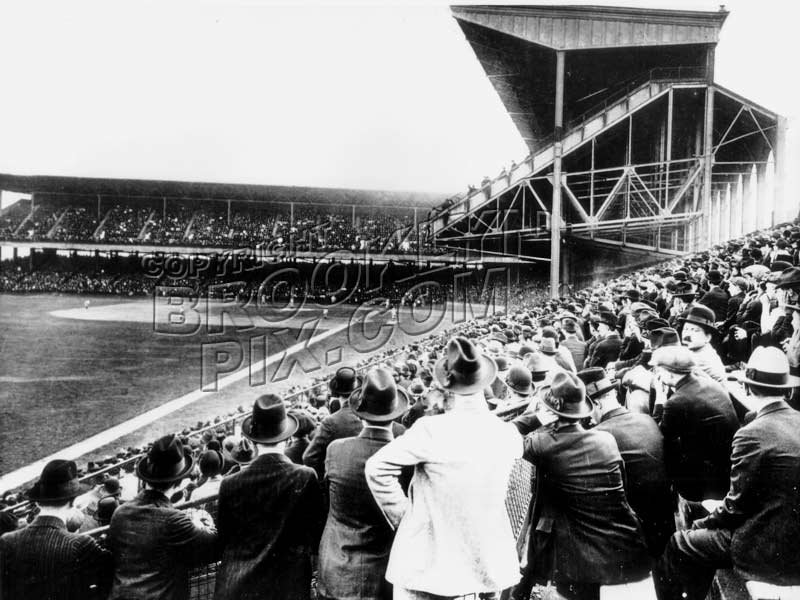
(120, 213)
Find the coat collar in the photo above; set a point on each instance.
(772, 407)
(271, 457)
(153, 497)
(48, 521)
(685, 380)
(614, 413)
(373, 433)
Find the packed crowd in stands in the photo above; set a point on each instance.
(658, 409)
(307, 227)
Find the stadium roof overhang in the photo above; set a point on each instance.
(132, 189)
(517, 46)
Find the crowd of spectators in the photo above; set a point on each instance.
(659, 410)
(306, 227)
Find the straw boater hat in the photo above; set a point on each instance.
(464, 370)
(379, 399)
(269, 423)
(167, 461)
(768, 367)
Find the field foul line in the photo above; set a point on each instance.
(32, 471)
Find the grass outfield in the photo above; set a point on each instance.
(70, 372)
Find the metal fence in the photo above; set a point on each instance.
(518, 497)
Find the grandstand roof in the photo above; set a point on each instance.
(583, 27)
(517, 45)
(189, 190)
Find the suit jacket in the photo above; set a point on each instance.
(578, 350)
(154, 546)
(343, 423)
(606, 351)
(698, 422)
(584, 531)
(354, 551)
(631, 348)
(453, 533)
(43, 561)
(734, 303)
(296, 450)
(717, 300)
(641, 446)
(762, 503)
(270, 521)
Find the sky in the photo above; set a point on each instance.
(364, 95)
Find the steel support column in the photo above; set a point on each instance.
(555, 216)
(708, 157)
(785, 207)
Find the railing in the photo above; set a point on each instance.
(660, 74)
(21, 508)
(518, 497)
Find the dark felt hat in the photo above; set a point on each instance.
(702, 316)
(379, 399)
(519, 380)
(464, 370)
(211, 462)
(666, 336)
(244, 451)
(790, 278)
(608, 318)
(684, 291)
(58, 483)
(596, 381)
(269, 423)
(167, 461)
(566, 396)
(345, 382)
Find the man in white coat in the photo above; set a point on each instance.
(453, 533)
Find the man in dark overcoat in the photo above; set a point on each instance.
(270, 515)
(584, 533)
(43, 561)
(343, 423)
(755, 528)
(354, 550)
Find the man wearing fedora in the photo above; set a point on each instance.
(355, 545)
(154, 544)
(698, 421)
(716, 298)
(43, 561)
(583, 533)
(341, 424)
(270, 515)
(755, 528)
(697, 331)
(453, 536)
(641, 446)
(608, 343)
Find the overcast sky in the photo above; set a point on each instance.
(321, 94)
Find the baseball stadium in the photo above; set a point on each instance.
(575, 378)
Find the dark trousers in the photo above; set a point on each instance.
(691, 559)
